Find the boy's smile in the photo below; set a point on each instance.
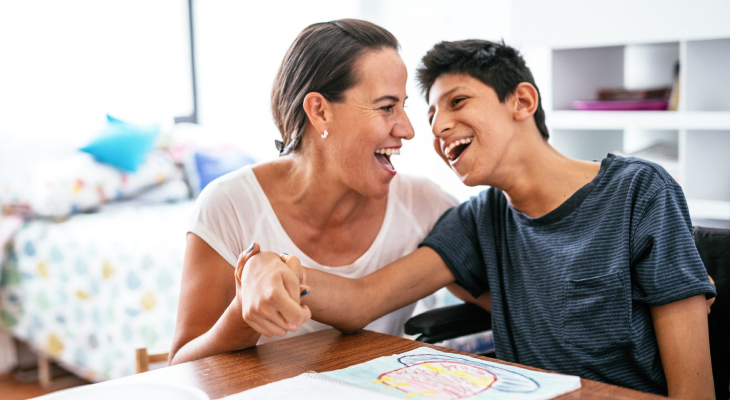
(454, 147)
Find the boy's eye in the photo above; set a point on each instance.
(457, 101)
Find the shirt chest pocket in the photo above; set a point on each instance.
(596, 313)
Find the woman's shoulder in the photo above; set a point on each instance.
(238, 188)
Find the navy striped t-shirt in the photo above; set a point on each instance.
(571, 290)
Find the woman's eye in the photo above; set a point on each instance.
(388, 108)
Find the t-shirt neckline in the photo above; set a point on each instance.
(568, 206)
(295, 250)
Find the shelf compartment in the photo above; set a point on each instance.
(708, 66)
(578, 74)
(707, 165)
(708, 209)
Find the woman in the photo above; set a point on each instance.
(333, 198)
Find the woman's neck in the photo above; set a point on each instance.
(302, 185)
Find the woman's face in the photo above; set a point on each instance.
(367, 128)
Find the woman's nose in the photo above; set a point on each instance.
(403, 128)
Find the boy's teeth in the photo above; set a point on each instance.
(456, 143)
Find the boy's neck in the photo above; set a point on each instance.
(537, 179)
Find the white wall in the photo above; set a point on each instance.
(240, 46)
(577, 23)
(65, 64)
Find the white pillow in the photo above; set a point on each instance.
(77, 183)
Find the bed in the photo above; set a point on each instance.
(89, 290)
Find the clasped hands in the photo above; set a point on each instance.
(268, 287)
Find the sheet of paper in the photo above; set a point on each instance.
(308, 386)
(425, 373)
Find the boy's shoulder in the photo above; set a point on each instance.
(640, 170)
(634, 179)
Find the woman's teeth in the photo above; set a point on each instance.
(453, 145)
(388, 152)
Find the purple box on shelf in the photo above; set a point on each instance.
(621, 105)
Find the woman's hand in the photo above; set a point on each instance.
(268, 287)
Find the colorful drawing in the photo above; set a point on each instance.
(444, 377)
(439, 380)
(430, 374)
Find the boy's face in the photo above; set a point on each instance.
(472, 128)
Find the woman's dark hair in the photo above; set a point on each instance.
(495, 64)
(322, 59)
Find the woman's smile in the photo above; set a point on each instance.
(383, 157)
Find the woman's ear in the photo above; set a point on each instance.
(526, 99)
(316, 107)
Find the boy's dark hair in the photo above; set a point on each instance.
(495, 64)
(323, 59)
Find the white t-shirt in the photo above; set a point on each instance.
(233, 211)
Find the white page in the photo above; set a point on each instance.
(308, 386)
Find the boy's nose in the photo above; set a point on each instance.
(440, 125)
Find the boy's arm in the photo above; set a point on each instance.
(484, 300)
(346, 304)
(350, 304)
(683, 339)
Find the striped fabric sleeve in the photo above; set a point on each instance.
(454, 238)
(667, 266)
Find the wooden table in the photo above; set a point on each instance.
(327, 350)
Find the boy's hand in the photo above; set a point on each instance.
(268, 291)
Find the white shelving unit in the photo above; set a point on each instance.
(692, 143)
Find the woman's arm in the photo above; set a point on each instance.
(209, 319)
(684, 347)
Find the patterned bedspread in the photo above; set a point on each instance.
(91, 289)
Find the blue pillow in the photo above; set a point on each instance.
(204, 166)
(123, 145)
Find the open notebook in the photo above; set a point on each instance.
(422, 373)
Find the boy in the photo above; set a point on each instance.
(588, 268)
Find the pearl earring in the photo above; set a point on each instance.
(324, 135)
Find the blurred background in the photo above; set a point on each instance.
(93, 243)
